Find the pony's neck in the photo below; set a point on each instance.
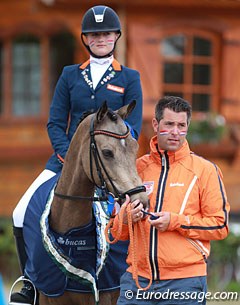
(72, 182)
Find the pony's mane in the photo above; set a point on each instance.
(84, 115)
(111, 114)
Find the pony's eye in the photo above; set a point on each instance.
(107, 153)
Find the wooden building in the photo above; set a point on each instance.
(188, 48)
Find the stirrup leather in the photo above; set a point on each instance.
(22, 279)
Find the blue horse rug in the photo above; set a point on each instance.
(80, 260)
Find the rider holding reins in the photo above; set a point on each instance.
(80, 88)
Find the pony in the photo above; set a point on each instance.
(101, 156)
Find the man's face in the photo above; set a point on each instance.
(171, 130)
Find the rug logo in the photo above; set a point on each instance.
(68, 242)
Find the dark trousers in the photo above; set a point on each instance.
(185, 291)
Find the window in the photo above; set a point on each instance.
(188, 64)
(26, 76)
(31, 66)
(62, 47)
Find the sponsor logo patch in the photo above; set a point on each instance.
(176, 184)
(115, 88)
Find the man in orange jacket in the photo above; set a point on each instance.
(188, 208)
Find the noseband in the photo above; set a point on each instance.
(94, 155)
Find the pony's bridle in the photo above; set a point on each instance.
(94, 154)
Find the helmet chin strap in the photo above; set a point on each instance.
(99, 56)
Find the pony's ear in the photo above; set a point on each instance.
(126, 110)
(102, 112)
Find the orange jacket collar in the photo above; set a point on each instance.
(173, 156)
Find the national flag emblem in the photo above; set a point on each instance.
(149, 185)
(163, 132)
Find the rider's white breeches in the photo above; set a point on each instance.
(19, 211)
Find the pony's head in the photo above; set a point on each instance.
(111, 159)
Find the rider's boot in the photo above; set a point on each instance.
(26, 295)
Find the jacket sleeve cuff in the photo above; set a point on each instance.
(176, 221)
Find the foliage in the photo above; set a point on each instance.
(8, 257)
(233, 286)
(206, 128)
(224, 263)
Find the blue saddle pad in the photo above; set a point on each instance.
(80, 260)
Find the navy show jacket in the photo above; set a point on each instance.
(74, 94)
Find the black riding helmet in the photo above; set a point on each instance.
(100, 18)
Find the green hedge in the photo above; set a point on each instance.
(8, 257)
(224, 262)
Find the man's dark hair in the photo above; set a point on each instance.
(174, 103)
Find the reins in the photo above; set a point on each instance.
(76, 198)
(132, 227)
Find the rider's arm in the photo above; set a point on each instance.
(58, 117)
(134, 92)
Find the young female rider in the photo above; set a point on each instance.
(82, 88)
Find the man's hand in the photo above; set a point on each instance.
(136, 208)
(162, 222)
